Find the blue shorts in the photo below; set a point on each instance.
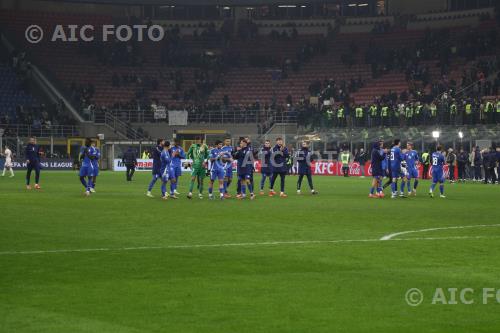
(86, 171)
(245, 176)
(96, 170)
(217, 174)
(178, 171)
(437, 176)
(229, 172)
(396, 173)
(412, 173)
(166, 176)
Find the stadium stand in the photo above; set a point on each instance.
(308, 73)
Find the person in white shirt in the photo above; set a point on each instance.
(8, 162)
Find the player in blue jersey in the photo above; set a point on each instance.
(278, 160)
(218, 164)
(244, 157)
(156, 156)
(177, 154)
(167, 173)
(395, 160)
(437, 162)
(95, 164)
(266, 170)
(87, 154)
(228, 178)
(412, 158)
(378, 158)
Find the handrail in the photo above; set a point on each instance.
(25, 130)
(114, 117)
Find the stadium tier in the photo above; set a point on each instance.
(214, 70)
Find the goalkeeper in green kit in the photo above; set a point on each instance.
(198, 153)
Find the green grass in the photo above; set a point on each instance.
(309, 287)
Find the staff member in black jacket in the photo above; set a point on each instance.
(462, 160)
(130, 162)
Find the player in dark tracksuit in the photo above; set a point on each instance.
(266, 170)
(156, 155)
(32, 154)
(378, 157)
(304, 159)
(278, 161)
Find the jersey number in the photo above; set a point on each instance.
(434, 161)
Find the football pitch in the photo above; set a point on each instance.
(121, 262)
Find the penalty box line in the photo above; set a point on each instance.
(252, 244)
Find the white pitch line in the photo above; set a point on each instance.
(390, 236)
(255, 244)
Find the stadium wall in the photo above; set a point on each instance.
(416, 7)
(57, 6)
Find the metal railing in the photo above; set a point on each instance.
(198, 116)
(118, 125)
(23, 130)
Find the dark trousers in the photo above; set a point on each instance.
(31, 167)
(477, 172)
(451, 172)
(425, 172)
(345, 171)
(130, 172)
(493, 175)
(282, 180)
(309, 180)
(461, 170)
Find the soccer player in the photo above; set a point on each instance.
(278, 160)
(378, 157)
(87, 154)
(32, 153)
(8, 162)
(177, 154)
(227, 148)
(167, 173)
(265, 164)
(437, 161)
(412, 158)
(198, 152)
(244, 157)
(95, 164)
(395, 161)
(304, 159)
(218, 161)
(156, 155)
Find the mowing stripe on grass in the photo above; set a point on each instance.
(195, 246)
(390, 236)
